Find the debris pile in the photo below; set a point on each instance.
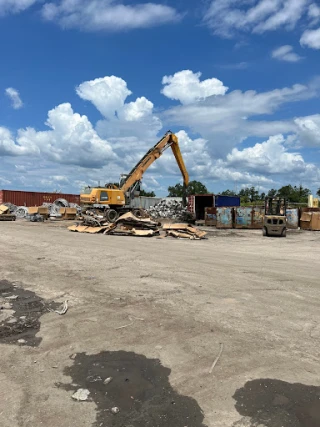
(127, 225)
(57, 209)
(169, 209)
(130, 225)
(184, 231)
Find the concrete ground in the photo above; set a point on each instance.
(178, 302)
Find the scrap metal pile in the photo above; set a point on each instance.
(54, 209)
(169, 209)
(130, 225)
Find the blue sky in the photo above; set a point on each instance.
(87, 86)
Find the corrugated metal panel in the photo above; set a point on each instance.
(293, 218)
(224, 217)
(192, 205)
(28, 198)
(211, 216)
(145, 202)
(224, 201)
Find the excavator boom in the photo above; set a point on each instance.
(169, 140)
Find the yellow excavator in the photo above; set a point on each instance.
(112, 200)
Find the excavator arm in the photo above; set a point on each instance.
(169, 140)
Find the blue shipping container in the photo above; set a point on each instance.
(225, 201)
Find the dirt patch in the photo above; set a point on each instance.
(274, 403)
(20, 312)
(140, 388)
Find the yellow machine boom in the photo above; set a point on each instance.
(169, 140)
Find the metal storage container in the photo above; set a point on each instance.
(28, 198)
(198, 203)
(211, 216)
(224, 217)
(249, 217)
(225, 201)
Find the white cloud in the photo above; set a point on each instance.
(15, 6)
(286, 53)
(201, 165)
(107, 94)
(121, 119)
(14, 95)
(108, 15)
(227, 120)
(186, 87)
(314, 13)
(271, 157)
(228, 17)
(311, 38)
(136, 110)
(71, 140)
(309, 130)
(72, 152)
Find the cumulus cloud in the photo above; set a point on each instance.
(227, 120)
(186, 87)
(15, 6)
(309, 130)
(108, 15)
(314, 13)
(87, 154)
(201, 165)
(107, 94)
(121, 119)
(14, 96)
(71, 140)
(271, 157)
(226, 18)
(311, 38)
(286, 53)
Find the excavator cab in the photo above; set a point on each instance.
(275, 219)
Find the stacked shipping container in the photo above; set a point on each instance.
(30, 198)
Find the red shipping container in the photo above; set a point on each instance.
(30, 198)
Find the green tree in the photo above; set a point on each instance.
(272, 193)
(194, 187)
(294, 194)
(254, 194)
(244, 195)
(144, 193)
(318, 192)
(228, 193)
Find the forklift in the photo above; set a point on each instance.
(275, 219)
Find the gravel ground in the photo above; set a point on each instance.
(152, 314)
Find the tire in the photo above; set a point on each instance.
(264, 232)
(284, 233)
(112, 215)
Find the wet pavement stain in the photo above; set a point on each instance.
(140, 388)
(20, 312)
(275, 403)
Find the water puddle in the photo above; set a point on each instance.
(20, 312)
(140, 388)
(275, 403)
